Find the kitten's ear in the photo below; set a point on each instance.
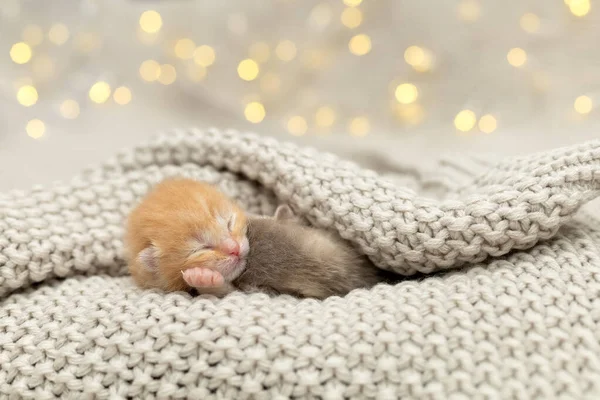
(148, 258)
(284, 213)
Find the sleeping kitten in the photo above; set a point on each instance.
(185, 234)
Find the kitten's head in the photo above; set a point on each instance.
(200, 228)
(221, 245)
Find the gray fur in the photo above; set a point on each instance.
(288, 257)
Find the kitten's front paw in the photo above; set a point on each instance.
(200, 278)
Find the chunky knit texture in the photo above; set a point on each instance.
(519, 325)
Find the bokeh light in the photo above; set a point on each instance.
(35, 128)
(184, 48)
(58, 34)
(27, 96)
(69, 109)
(359, 126)
(352, 3)
(20, 53)
(254, 112)
(360, 45)
(406, 93)
(100, 92)
(150, 70)
(465, 120)
(320, 16)
(248, 69)
(469, 10)
(324, 117)
(167, 75)
(297, 125)
(583, 105)
(351, 17)
(579, 8)
(530, 22)
(122, 95)
(150, 21)
(286, 50)
(487, 123)
(204, 56)
(516, 57)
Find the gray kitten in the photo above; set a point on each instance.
(288, 257)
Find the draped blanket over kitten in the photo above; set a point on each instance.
(512, 312)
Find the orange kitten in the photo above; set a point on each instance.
(186, 234)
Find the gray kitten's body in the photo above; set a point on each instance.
(288, 257)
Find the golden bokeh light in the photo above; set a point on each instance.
(297, 125)
(406, 93)
(360, 44)
(530, 22)
(583, 105)
(352, 3)
(412, 114)
(260, 52)
(150, 70)
(516, 57)
(286, 50)
(69, 109)
(469, 10)
(324, 117)
(151, 21)
(33, 35)
(27, 95)
(184, 48)
(196, 73)
(487, 123)
(122, 95)
(419, 58)
(204, 56)
(35, 128)
(579, 8)
(270, 83)
(58, 34)
(167, 75)
(359, 126)
(248, 69)
(254, 112)
(20, 53)
(351, 17)
(42, 67)
(100, 92)
(465, 120)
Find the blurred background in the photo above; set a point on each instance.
(81, 79)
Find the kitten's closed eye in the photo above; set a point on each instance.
(231, 222)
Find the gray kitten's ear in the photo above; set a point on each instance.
(284, 213)
(148, 258)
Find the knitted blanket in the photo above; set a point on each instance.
(512, 309)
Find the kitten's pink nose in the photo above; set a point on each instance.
(231, 247)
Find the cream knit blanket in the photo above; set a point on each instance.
(520, 319)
